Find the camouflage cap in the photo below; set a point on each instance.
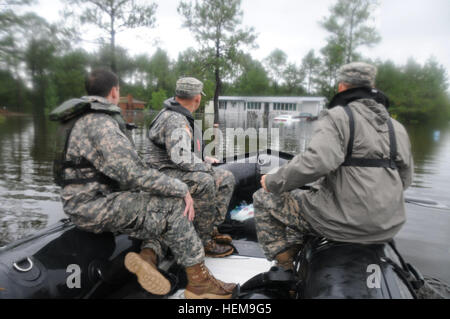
(189, 87)
(357, 74)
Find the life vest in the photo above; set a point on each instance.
(67, 115)
(197, 145)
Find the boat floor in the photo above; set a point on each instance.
(424, 241)
(247, 262)
(236, 269)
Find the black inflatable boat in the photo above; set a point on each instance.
(65, 262)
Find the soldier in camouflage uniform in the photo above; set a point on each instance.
(108, 188)
(359, 162)
(176, 149)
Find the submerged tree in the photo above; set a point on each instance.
(115, 16)
(216, 25)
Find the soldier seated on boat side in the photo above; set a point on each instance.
(359, 161)
(106, 187)
(173, 132)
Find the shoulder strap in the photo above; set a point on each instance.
(351, 140)
(369, 162)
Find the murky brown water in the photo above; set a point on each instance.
(30, 201)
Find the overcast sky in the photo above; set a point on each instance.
(409, 28)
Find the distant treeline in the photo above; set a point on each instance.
(41, 66)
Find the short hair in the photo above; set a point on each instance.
(100, 82)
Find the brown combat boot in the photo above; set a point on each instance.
(144, 266)
(221, 238)
(203, 285)
(215, 250)
(285, 259)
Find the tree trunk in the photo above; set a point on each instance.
(113, 45)
(216, 96)
(350, 36)
(218, 82)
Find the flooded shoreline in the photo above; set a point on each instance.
(29, 200)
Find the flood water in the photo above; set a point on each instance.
(29, 200)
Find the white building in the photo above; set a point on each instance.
(273, 105)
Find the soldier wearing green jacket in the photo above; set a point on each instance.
(358, 163)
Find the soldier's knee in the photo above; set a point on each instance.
(228, 179)
(259, 197)
(205, 183)
(177, 206)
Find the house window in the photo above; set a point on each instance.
(254, 106)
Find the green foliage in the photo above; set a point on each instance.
(348, 25)
(253, 80)
(216, 25)
(160, 71)
(286, 78)
(158, 98)
(417, 93)
(349, 28)
(40, 69)
(68, 75)
(311, 66)
(113, 17)
(275, 65)
(12, 92)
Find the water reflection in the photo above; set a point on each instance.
(27, 194)
(29, 200)
(431, 153)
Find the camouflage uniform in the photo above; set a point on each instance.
(149, 205)
(211, 193)
(355, 196)
(357, 74)
(279, 221)
(170, 135)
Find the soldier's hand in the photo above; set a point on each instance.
(189, 210)
(263, 183)
(211, 160)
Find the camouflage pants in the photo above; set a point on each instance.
(279, 224)
(155, 220)
(211, 193)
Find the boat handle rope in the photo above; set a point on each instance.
(18, 268)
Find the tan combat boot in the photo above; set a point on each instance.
(221, 238)
(144, 266)
(216, 250)
(285, 259)
(203, 285)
